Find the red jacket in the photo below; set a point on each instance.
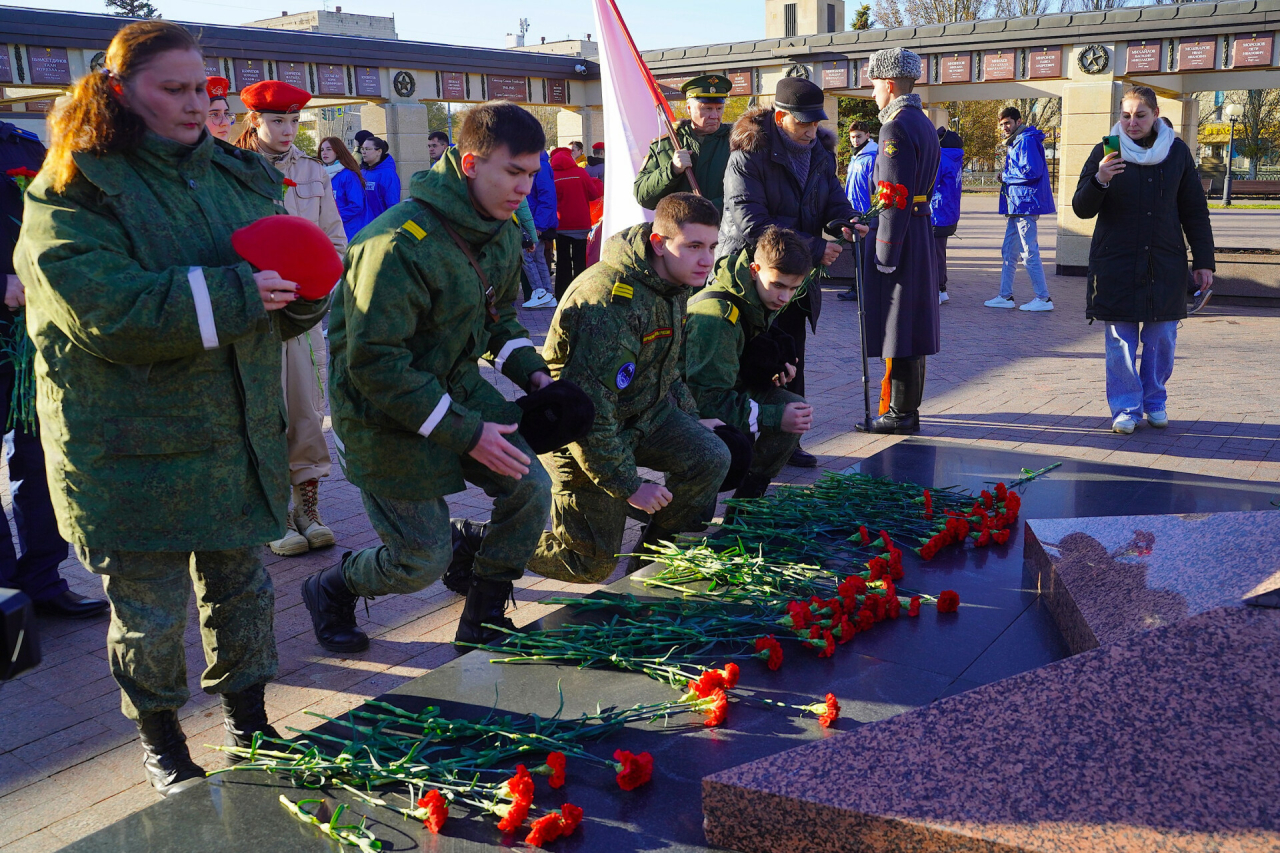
(575, 190)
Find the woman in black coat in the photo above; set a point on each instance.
(1145, 197)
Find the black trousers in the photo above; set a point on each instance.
(795, 322)
(571, 261)
(940, 253)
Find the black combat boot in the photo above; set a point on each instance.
(486, 605)
(244, 714)
(906, 390)
(166, 761)
(752, 486)
(652, 534)
(332, 605)
(467, 536)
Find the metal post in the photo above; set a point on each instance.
(1226, 184)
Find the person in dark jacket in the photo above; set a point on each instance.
(35, 572)
(703, 151)
(1146, 197)
(782, 171)
(595, 162)
(575, 190)
(945, 205)
(902, 292)
(1025, 196)
(381, 180)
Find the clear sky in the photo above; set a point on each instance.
(485, 23)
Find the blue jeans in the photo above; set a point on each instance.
(1021, 240)
(35, 572)
(1135, 387)
(535, 270)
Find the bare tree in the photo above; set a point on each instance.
(132, 8)
(888, 13)
(1257, 124)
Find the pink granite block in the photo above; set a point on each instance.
(1104, 579)
(1165, 741)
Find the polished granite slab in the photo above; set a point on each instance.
(1163, 741)
(1001, 629)
(1104, 579)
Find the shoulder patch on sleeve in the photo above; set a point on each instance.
(413, 229)
(622, 290)
(889, 148)
(733, 315)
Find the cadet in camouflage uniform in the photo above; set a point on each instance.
(618, 335)
(704, 148)
(158, 382)
(738, 306)
(413, 417)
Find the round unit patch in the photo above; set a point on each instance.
(625, 374)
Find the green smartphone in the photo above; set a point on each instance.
(1110, 145)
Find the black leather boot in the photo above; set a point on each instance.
(486, 605)
(165, 760)
(244, 714)
(906, 390)
(652, 534)
(467, 536)
(332, 605)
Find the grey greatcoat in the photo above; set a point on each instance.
(902, 306)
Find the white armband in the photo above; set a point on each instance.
(204, 307)
(437, 415)
(510, 347)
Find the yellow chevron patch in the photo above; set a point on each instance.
(415, 229)
(733, 315)
(623, 290)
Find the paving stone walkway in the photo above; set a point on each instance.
(69, 761)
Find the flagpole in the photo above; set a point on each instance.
(655, 92)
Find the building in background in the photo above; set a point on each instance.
(788, 18)
(335, 23)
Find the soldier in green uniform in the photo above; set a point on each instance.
(430, 288)
(618, 334)
(704, 148)
(158, 381)
(733, 366)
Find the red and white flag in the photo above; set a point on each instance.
(632, 120)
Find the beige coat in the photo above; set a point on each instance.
(312, 198)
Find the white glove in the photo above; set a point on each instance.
(884, 269)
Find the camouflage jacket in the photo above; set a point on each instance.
(617, 333)
(657, 179)
(408, 326)
(158, 370)
(715, 333)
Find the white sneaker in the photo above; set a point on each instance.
(1000, 302)
(1159, 420)
(943, 297)
(1124, 425)
(1037, 304)
(551, 302)
(539, 298)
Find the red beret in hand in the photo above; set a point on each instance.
(274, 96)
(217, 87)
(295, 248)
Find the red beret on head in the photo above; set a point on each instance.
(274, 96)
(599, 146)
(217, 87)
(294, 247)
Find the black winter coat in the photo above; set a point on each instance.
(1138, 259)
(761, 189)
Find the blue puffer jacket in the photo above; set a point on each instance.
(348, 193)
(1025, 189)
(381, 187)
(857, 186)
(945, 204)
(542, 198)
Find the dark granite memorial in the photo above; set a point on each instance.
(1002, 629)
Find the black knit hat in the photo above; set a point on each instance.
(554, 416)
(801, 98)
(740, 452)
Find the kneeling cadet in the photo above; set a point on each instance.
(429, 289)
(737, 363)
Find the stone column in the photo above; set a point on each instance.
(1184, 112)
(1088, 110)
(938, 115)
(405, 128)
(831, 106)
(580, 124)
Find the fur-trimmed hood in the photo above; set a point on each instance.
(752, 131)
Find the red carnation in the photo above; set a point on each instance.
(1012, 504)
(770, 650)
(929, 550)
(437, 810)
(797, 618)
(514, 815)
(853, 586)
(556, 762)
(866, 619)
(988, 502)
(928, 504)
(731, 673)
(1002, 492)
(633, 770)
(716, 707)
(830, 647)
(896, 572)
(913, 609)
(984, 539)
(570, 817)
(832, 713)
(845, 630)
(1000, 537)
(864, 535)
(886, 542)
(893, 607)
(544, 829)
(948, 601)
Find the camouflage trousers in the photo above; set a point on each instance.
(773, 447)
(587, 523)
(149, 592)
(417, 544)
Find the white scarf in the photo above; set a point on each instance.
(1134, 153)
(334, 168)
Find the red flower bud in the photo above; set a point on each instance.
(948, 601)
